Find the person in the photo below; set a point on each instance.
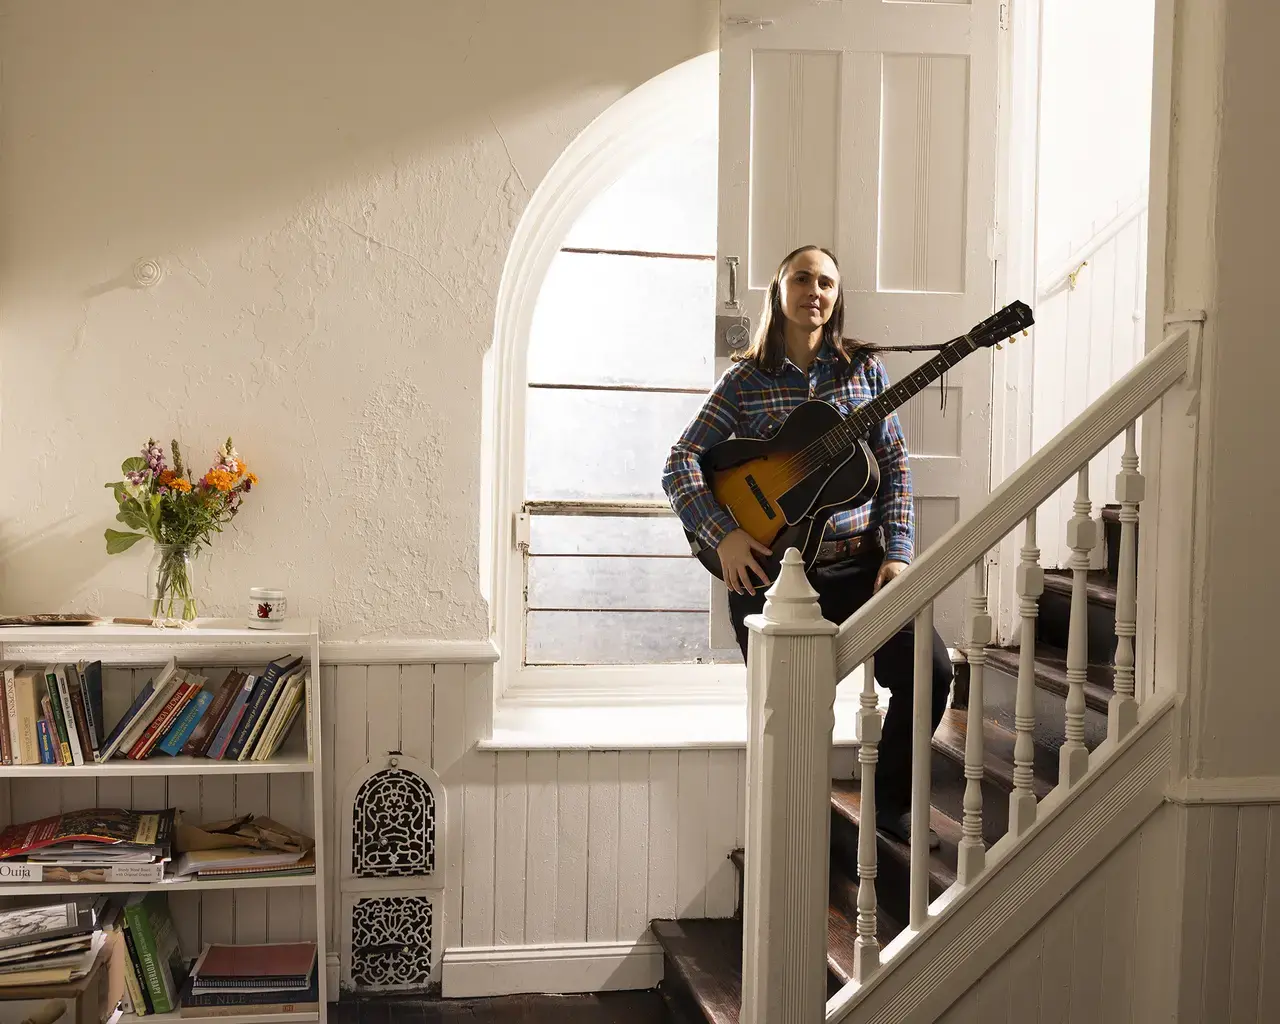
(799, 353)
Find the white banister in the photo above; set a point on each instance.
(866, 948)
(1030, 585)
(791, 696)
(1122, 712)
(1082, 535)
(921, 758)
(1026, 489)
(973, 853)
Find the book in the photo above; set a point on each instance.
(59, 721)
(272, 965)
(163, 969)
(147, 831)
(25, 925)
(25, 687)
(80, 712)
(272, 678)
(91, 678)
(184, 725)
(232, 719)
(209, 725)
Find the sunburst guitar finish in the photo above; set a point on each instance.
(783, 490)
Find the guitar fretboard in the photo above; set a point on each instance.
(858, 425)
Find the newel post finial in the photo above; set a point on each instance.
(791, 689)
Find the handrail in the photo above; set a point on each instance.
(862, 634)
(1062, 273)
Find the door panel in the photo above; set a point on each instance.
(869, 127)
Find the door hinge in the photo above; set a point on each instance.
(520, 531)
(1004, 17)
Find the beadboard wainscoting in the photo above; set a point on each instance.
(559, 858)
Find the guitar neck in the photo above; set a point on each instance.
(858, 425)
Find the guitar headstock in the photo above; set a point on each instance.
(1004, 323)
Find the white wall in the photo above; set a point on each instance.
(1095, 131)
(331, 189)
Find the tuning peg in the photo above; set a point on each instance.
(1013, 340)
(1025, 332)
(998, 346)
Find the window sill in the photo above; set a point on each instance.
(623, 709)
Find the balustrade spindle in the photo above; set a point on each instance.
(1081, 536)
(1122, 712)
(1030, 585)
(921, 764)
(866, 948)
(973, 853)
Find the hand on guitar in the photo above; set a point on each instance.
(737, 558)
(888, 570)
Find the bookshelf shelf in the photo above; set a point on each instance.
(162, 766)
(195, 885)
(289, 787)
(235, 1018)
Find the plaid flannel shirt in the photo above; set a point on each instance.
(748, 402)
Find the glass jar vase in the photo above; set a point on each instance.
(170, 583)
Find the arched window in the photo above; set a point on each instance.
(605, 349)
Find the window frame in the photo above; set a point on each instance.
(678, 103)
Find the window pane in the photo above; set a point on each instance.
(667, 203)
(607, 535)
(601, 444)
(643, 584)
(620, 638)
(603, 319)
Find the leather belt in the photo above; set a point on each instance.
(847, 547)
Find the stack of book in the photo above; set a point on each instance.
(101, 845)
(244, 847)
(49, 944)
(53, 714)
(278, 977)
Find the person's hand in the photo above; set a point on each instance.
(888, 570)
(737, 560)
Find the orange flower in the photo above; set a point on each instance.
(253, 479)
(179, 484)
(166, 478)
(219, 479)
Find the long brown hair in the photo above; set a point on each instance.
(768, 349)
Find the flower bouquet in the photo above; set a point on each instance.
(162, 503)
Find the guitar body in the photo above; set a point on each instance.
(783, 490)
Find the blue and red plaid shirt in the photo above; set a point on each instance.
(749, 402)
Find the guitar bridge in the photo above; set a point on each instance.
(759, 496)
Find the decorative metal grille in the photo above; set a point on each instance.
(391, 940)
(393, 825)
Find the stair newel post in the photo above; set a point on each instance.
(792, 680)
(1030, 585)
(921, 766)
(1122, 712)
(866, 950)
(972, 853)
(1081, 536)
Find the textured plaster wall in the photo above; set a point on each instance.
(330, 188)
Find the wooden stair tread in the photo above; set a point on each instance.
(846, 798)
(1051, 673)
(997, 752)
(707, 953)
(1100, 589)
(842, 919)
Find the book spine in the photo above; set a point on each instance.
(74, 684)
(253, 719)
(186, 723)
(46, 743)
(159, 725)
(212, 721)
(28, 717)
(219, 745)
(11, 708)
(91, 678)
(140, 929)
(308, 685)
(68, 716)
(46, 707)
(6, 744)
(59, 723)
(133, 963)
(110, 744)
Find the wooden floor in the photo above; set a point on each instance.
(607, 1008)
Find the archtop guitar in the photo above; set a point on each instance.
(783, 490)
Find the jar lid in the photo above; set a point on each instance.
(266, 592)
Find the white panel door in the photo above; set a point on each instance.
(869, 127)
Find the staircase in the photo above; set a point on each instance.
(703, 957)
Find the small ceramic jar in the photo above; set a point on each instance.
(267, 608)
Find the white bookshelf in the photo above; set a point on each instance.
(287, 787)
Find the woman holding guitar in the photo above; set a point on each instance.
(799, 354)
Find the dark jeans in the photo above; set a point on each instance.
(843, 588)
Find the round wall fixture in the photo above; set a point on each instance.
(147, 272)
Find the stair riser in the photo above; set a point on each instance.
(681, 1006)
(893, 877)
(1111, 533)
(1054, 625)
(948, 786)
(999, 699)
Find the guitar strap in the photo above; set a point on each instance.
(942, 381)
